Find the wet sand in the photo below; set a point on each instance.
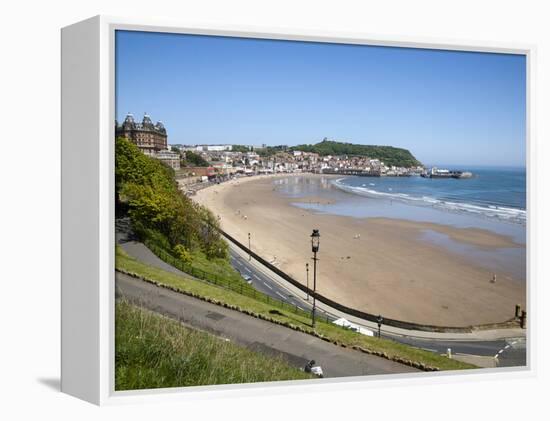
(379, 265)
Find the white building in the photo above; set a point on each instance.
(170, 158)
(207, 148)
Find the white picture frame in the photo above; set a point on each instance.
(88, 294)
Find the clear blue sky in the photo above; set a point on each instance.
(446, 107)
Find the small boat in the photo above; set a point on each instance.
(445, 173)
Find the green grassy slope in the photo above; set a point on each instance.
(298, 319)
(152, 351)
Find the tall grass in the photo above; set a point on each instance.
(152, 351)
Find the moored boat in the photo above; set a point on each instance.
(445, 173)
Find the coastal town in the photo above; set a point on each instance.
(308, 229)
(217, 162)
(225, 160)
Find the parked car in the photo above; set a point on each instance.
(247, 278)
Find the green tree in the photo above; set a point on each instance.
(183, 254)
(195, 160)
(158, 209)
(388, 154)
(240, 148)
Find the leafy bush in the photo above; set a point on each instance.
(195, 160)
(153, 236)
(158, 209)
(183, 254)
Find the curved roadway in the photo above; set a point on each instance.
(482, 348)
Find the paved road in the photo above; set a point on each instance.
(262, 280)
(267, 285)
(265, 337)
(510, 352)
(514, 355)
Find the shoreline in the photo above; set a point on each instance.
(378, 265)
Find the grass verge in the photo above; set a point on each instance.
(153, 351)
(215, 270)
(383, 347)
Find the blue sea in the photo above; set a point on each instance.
(492, 193)
(493, 199)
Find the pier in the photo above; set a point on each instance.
(360, 173)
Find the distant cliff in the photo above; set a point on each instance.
(388, 154)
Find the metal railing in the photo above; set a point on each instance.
(240, 287)
(358, 313)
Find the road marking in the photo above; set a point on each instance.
(257, 277)
(248, 270)
(267, 285)
(511, 344)
(296, 303)
(280, 295)
(429, 349)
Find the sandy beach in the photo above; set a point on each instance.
(380, 265)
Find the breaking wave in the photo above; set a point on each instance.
(488, 210)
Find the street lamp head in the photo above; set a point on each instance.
(315, 241)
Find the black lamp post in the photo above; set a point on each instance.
(249, 255)
(307, 280)
(314, 248)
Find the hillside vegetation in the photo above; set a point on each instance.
(146, 190)
(193, 159)
(152, 351)
(388, 154)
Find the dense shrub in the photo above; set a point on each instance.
(183, 254)
(194, 160)
(158, 210)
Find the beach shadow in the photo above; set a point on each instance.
(54, 383)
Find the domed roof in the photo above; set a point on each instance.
(129, 118)
(160, 127)
(129, 123)
(147, 121)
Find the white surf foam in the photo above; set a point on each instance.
(486, 210)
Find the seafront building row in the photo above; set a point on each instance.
(229, 159)
(226, 161)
